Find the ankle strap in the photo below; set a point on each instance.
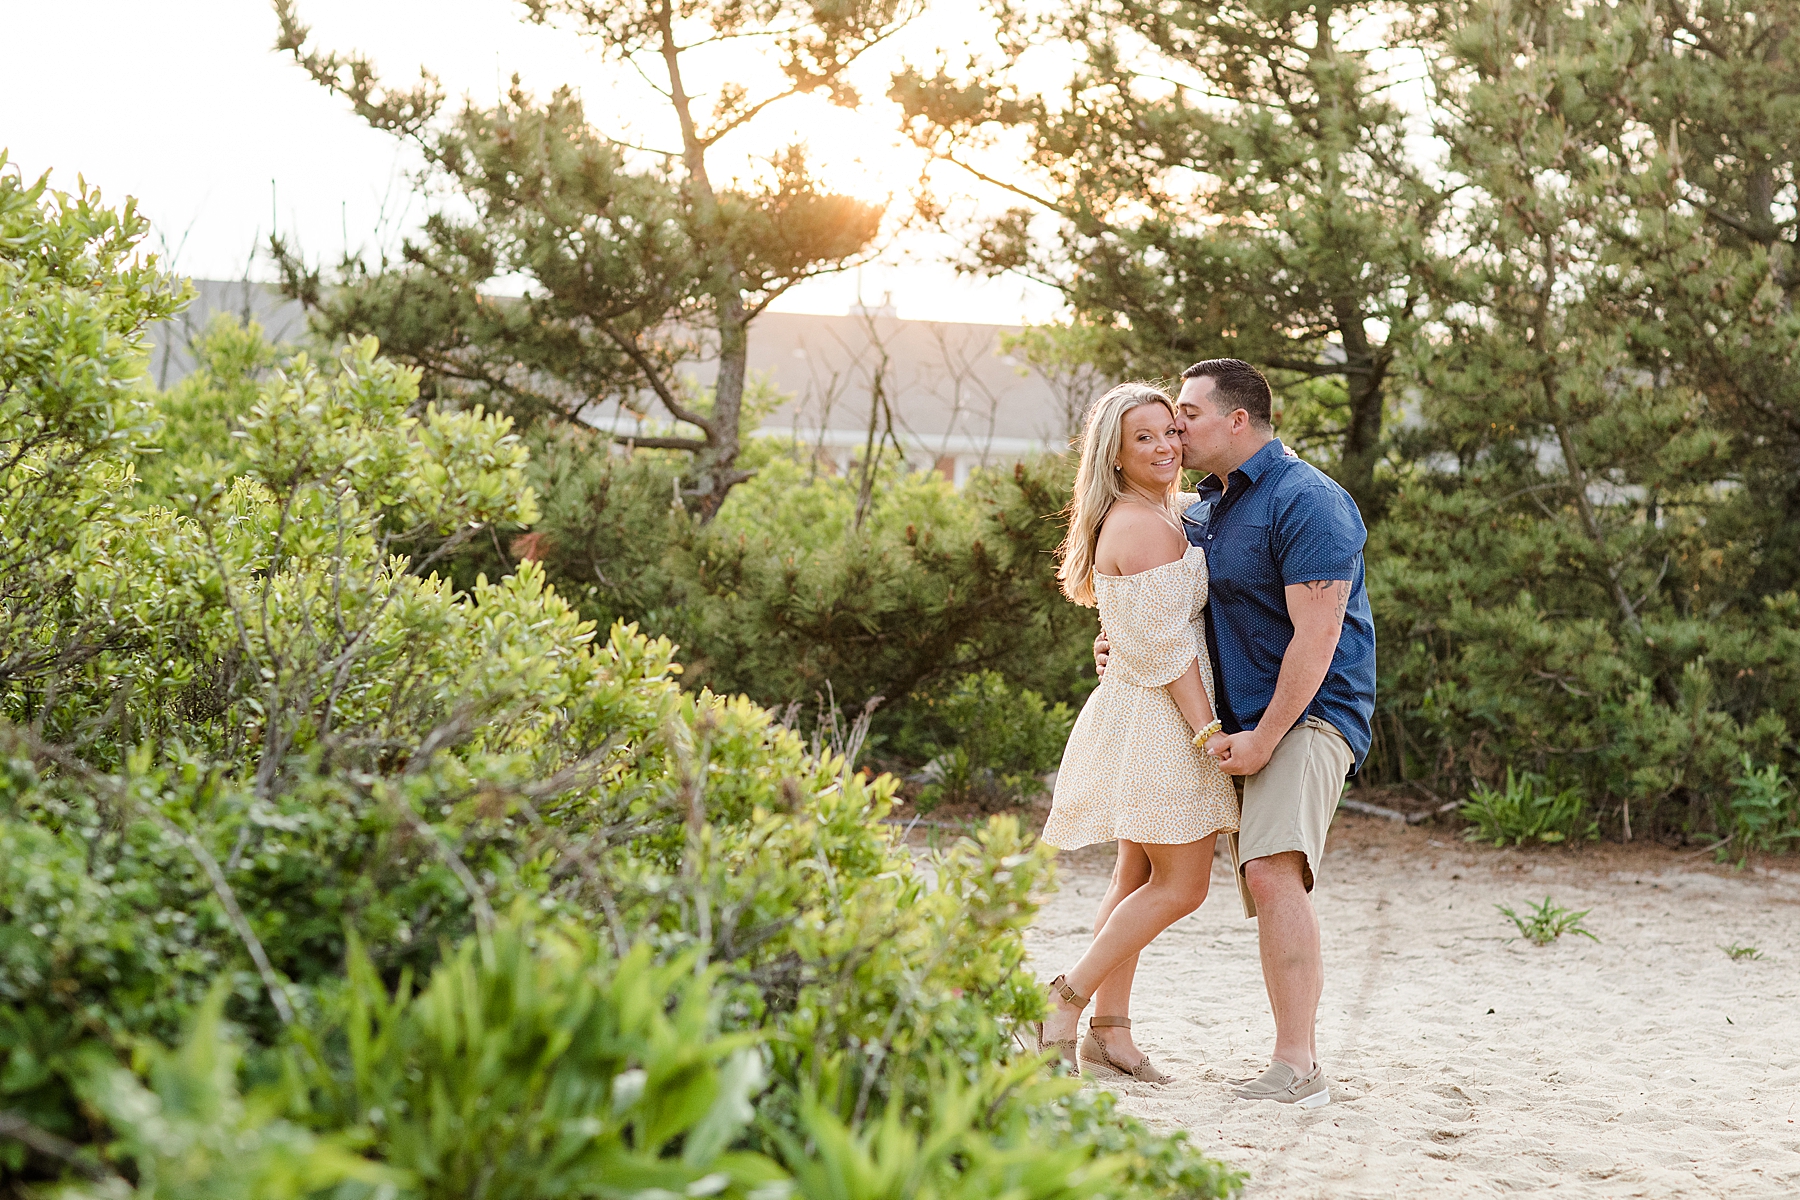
(1109, 1022)
(1059, 986)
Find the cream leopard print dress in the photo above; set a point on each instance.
(1130, 769)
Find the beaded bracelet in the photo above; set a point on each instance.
(1212, 727)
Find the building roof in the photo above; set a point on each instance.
(953, 389)
(955, 394)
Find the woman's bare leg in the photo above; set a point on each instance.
(1112, 998)
(1179, 876)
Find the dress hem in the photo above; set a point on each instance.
(1139, 841)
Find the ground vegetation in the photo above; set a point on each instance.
(323, 875)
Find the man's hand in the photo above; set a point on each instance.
(1101, 646)
(1240, 753)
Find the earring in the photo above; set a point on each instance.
(1115, 466)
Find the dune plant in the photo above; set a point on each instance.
(1544, 923)
(1527, 809)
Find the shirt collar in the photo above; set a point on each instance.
(1262, 460)
(1251, 468)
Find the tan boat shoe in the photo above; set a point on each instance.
(1282, 1084)
(1095, 1054)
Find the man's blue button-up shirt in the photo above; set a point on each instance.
(1282, 521)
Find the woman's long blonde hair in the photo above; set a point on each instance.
(1098, 487)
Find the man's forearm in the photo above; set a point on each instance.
(1303, 669)
(1316, 608)
(1317, 611)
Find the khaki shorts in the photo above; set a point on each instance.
(1288, 805)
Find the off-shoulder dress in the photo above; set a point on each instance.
(1130, 769)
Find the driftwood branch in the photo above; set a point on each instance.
(16, 1127)
(1394, 814)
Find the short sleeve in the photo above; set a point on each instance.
(1153, 636)
(1318, 534)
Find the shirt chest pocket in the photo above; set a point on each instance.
(1240, 558)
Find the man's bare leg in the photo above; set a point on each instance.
(1287, 931)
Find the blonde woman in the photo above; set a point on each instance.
(1134, 771)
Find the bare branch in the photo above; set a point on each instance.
(16, 1127)
(661, 443)
(228, 900)
(657, 383)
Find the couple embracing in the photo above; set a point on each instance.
(1237, 659)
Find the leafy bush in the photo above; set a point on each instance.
(304, 772)
(783, 596)
(998, 742)
(74, 299)
(1763, 812)
(197, 418)
(1527, 809)
(183, 1125)
(532, 1065)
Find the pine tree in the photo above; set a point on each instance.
(1714, 251)
(636, 259)
(1227, 179)
(1566, 583)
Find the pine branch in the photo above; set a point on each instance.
(352, 76)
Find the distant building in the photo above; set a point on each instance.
(172, 342)
(955, 399)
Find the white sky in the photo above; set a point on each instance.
(184, 105)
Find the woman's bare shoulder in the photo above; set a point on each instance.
(1135, 539)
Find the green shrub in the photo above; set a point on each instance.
(997, 743)
(1527, 809)
(187, 1132)
(530, 1066)
(1763, 812)
(307, 772)
(197, 418)
(75, 299)
(783, 598)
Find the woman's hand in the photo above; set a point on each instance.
(1101, 647)
(1240, 753)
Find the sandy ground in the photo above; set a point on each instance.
(1463, 1063)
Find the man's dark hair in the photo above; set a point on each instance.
(1237, 384)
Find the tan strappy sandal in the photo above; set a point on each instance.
(1059, 988)
(1094, 1053)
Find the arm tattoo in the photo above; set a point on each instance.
(1340, 586)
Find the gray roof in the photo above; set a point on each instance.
(957, 396)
